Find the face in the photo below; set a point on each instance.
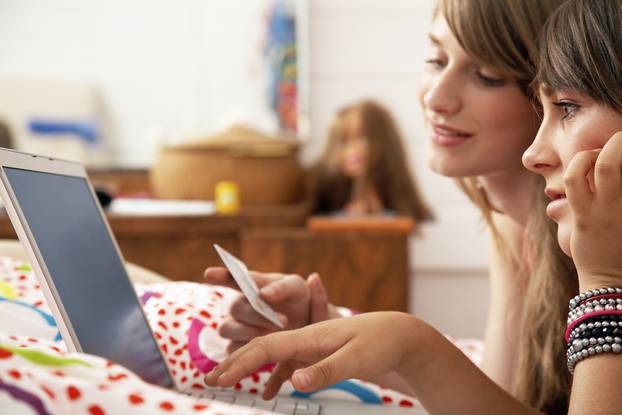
(479, 121)
(572, 123)
(354, 147)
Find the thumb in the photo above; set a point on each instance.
(318, 302)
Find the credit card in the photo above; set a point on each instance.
(247, 285)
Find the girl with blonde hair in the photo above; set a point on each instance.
(481, 117)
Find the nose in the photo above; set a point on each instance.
(442, 96)
(541, 157)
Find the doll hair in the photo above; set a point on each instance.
(387, 168)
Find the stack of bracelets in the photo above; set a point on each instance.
(594, 325)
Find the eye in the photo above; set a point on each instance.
(490, 81)
(569, 108)
(437, 63)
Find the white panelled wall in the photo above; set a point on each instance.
(376, 49)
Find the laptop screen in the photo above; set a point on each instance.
(89, 276)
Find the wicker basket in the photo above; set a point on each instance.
(266, 169)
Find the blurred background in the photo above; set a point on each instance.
(218, 107)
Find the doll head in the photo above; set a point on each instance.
(365, 144)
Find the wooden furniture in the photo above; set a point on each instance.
(181, 247)
(364, 266)
(363, 263)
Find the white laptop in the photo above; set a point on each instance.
(81, 271)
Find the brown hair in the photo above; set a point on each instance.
(387, 168)
(504, 35)
(581, 50)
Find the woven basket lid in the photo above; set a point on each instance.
(240, 140)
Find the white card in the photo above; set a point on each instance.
(250, 290)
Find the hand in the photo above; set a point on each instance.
(319, 355)
(596, 205)
(296, 301)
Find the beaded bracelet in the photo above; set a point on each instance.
(594, 325)
(592, 293)
(604, 328)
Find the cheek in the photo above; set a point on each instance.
(513, 124)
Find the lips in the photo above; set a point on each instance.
(447, 136)
(555, 208)
(554, 194)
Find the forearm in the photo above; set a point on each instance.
(594, 386)
(447, 382)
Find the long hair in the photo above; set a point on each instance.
(387, 168)
(581, 50)
(504, 34)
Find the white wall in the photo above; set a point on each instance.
(376, 48)
(358, 48)
(164, 68)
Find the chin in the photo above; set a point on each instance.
(563, 238)
(447, 167)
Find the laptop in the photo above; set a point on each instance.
(58, 219)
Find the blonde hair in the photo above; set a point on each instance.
(387, 167)
(504, 35)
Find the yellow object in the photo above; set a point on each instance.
(227, 198)
(6, 291)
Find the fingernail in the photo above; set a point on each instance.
(302, 379)
(282, 318)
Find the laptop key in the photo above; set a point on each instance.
(285, 407)
(224, 398)
(268, 405)
(305, 408)
(244, 401)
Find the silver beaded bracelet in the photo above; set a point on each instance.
(580, 346)
(583, 348)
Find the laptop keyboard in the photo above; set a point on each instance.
(281, 405)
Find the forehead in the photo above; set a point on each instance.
(441, 35)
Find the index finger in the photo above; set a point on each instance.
(246, 360)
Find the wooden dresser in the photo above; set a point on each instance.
(363, 263)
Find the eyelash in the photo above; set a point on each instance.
(490, 81)
(486, 81)
(437, 63)
(569, 109)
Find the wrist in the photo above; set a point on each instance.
(590, 281)
(417, 334)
